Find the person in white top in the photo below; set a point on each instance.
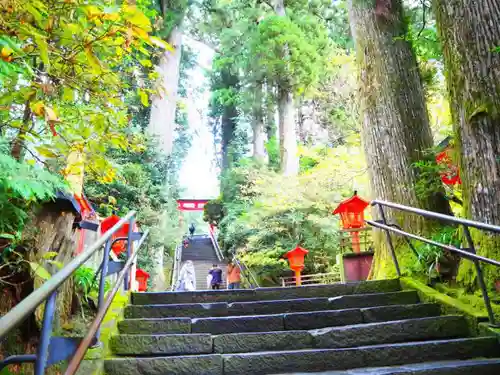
(187, 279)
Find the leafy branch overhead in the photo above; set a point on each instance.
(59, 56)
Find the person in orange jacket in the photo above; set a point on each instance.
(233, 276)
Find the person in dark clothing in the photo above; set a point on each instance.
(216, 273)
(192, 228)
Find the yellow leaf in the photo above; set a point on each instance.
(92, 11)
(141, 33)
(161, 43)
(137, 18)
(146, 63)
(144, 98)
(92, 59)
(6, 51)
(50, 115)
(45, 152)
(40, 271)
(68, 94)
(44, 50)
(38, 108)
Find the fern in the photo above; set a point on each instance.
(22, 185)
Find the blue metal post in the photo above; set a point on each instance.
(102, 281)
(43, 347)
(131, 223)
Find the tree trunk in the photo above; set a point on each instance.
(396, 128)
(286, 110)
(163, 107)
(259, 137)
(470, 32)
(288, 134)
(229, 116)
(18, 142)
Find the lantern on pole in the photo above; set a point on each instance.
(296, 261)
(352, 215)
(108, 223)
(142, 278)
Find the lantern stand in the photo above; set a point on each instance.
(296, 261)
(355, 266)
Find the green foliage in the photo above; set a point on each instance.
(432, 259)
(213, 212)
(22, 185)
(267, 214)
(67, 83)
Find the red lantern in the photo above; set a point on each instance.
(142, 278)
(296, 260)
(452, 175)
(108, 223)
(352, 215)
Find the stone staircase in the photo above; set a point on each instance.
(355, 328)
(203, 255)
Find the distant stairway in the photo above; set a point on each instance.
(203, 255)
(356, 328)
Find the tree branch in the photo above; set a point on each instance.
(424, 21)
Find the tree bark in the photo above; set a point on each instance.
(259, 137)
(286, 110)
(395, 125)
(229, 81)
(469, 33)
(163, 107)
(288, 134)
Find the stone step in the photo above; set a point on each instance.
(310, 360)
(219, 309)
(260, 294)
(278, 322)
(466, 367)
(331, 337)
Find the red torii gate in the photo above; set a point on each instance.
(191, 204)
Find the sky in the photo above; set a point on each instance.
(198, 177)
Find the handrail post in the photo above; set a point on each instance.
(128, 275)
(480, 277)
(389, 240)
(102, 281)
(43, 347)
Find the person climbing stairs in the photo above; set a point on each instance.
(370, 327)
(200, 250)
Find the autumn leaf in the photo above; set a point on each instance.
(38, 108)
(92, 59)
(45, 152)
(144, 97)
(39, 271)
(161, 43)
(44, 50)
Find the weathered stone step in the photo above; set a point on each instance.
(332, 337)
(467, 367)
(373, 356)
(260, 294)
(278, 322)
(344, 337)
(219, 309)
(306, 360)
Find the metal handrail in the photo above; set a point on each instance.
(175, 270)
(245, 269)
(21, 311)
(53, 349)
(215, 243)
(309, 279)
(75, 362)
(467, 253)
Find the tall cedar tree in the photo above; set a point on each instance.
(470, 35)
(395, 125)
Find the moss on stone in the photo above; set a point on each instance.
(448, 304)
